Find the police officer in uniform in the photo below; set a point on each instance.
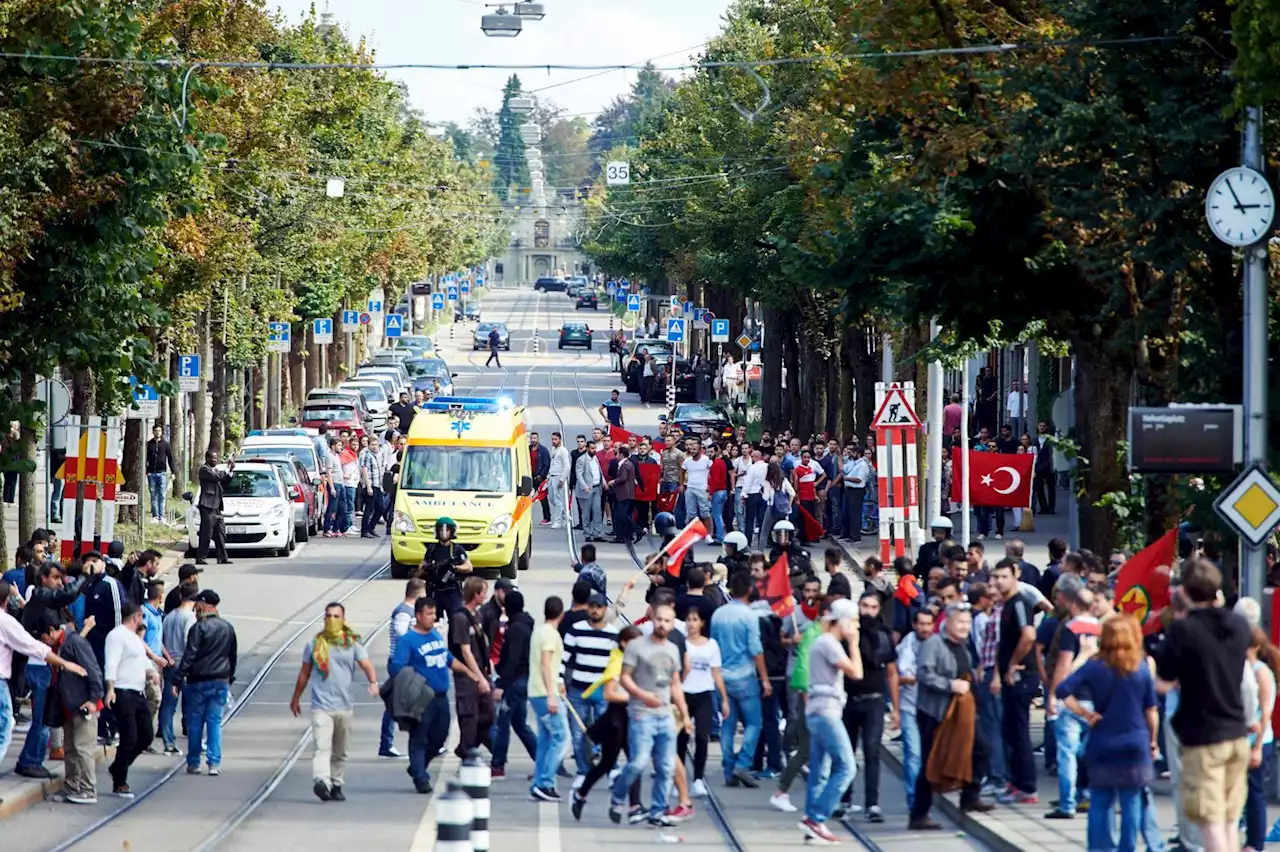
(445, 564)
(784, 541)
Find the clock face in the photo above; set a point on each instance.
(1240, 206)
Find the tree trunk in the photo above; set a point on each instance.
(131, 465)
(295, 382)
(771, 372)
(791, 356)
(219, 390)
(258, 393)
(865, 369)
(27, 499)
(1101, 407)
(844, 427)
(313, 362)
(199, 439)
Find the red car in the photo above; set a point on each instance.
(334, 413)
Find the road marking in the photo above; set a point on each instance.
(548, 827)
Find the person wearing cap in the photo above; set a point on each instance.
(829, 665)
(587, 645)
(189, 576)
(173, 636)
(205, 675)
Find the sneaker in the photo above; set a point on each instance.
(765, 775)
(321, 790)
(80, 799)
(151, 750)
(699, 789)
(122, 791)
(576, 806)
(999, 536)
(924, 824)
(424, 788)
(1017, 797)
(32, 772)
(1058, 813)
(679, 813)
(977, 806)
(991, 790)
(57, 754)
(578, 780)
(782, 802)
(390, 753)
(874, 815)
(661, 821)
(173, 751)
(193, 770)
(544, 794)
(497, 774)
(22, 727)
(745, 778)
(637, 815)
(544, 523)
(337, 795)
(214, 771)
(561, 772)
(817, 833)
(1038, 751)
(615, 812)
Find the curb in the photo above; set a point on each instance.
(32, 792)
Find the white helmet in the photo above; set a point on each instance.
(737, 539)
(941, 522)
(784, 526)
(781, 528)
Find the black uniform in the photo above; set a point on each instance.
(444, 583)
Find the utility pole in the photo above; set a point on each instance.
(1253, 559)
(886, 359)
(933, 439)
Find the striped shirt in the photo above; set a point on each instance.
(586, 652)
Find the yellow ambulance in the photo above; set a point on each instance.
(466, 458)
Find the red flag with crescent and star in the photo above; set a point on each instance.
(995, 479)
(1142, 586)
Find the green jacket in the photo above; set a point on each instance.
(800, 674)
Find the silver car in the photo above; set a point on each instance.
(481, 339)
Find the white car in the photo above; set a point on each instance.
(375, 397)
(256, 510)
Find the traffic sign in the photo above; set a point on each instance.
(719, 331)
(687, 308)
(350, 321)
(620, 296)
(895, 412)
(633, 303)
(395, 323)
(1251, 505)
(675, 301)
(697, 315)
(453, 292)
(466, 288)
(147, 400)
(744, 340)
(322, 330)
(375, 306)
(437, 301)
(675, 330)
(611, 288)
(479, 280)
(617, 173)
(279, 336)
(189, 373)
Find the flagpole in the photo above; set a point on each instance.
(964, 456)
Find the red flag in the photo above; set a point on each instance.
(647, 478)
(623, 436)
(998, 480)
(541, 493)
(810, 527)
(1142, 587)
(667, 502)
(684, 540)
(778, 591)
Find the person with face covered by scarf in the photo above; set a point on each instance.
(329, 665)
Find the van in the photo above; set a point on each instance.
(466, 458)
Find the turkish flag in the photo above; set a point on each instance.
(647, 478)
(542, 492)
(679, 545)
(1142, 586)
(998, 480)
(623, 436)
(810, 527)
(778, 591)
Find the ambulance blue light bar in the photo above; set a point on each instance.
(468, 403)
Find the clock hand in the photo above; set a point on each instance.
(1239, 206)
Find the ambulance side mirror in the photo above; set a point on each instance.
(526, 486)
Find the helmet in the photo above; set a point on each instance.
(737, 539)
(783, 528)
(665, 524)
(446, 522)
(941, 522)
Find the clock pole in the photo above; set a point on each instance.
(1253, 559)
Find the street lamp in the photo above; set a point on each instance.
(520, 105)
(501, 24)
(531, 11)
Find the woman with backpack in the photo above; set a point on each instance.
(779, 497)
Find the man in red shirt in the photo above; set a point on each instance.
(718, 487)
(806, 477)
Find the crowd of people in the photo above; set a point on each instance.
(96, 654)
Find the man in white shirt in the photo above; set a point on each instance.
(125, 674)
(908, 657)
(752, 486)
(697, 470)
(557, 477)
(1015, 407)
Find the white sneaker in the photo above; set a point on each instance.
(699, 788)
(782, 802)
(577, 781)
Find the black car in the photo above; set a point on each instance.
(469, 312)
(703, 419)
(575, 334)
(546, 285)
(586, 299)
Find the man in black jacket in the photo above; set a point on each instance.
(512, 691)
(403, 411)
(139, 570)
(541, 458)
(159, 466)
(212, 481)
(74, 706)
(207, 671)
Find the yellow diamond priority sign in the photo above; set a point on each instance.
(1251, 505)
(744, 340)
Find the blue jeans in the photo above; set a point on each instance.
(37, 745)
(1255, 806)
(1071, 734)
(753, 511)
(426, 740)
(512, 715)
(333, 509)
(203, 704)
(718, 499)
(6, 719)
(156, 483)
(588, 709)
(770, 743)
(347, 513)
(910, 756)
(552, 734)
(1102, 822)
(55, 501)
(991, 717)
(740, 512)
(831, 766)
(744, 707)
(168, 705)
(652, 739)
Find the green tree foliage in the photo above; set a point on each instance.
(510, 167)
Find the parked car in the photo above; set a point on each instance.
(704, 419)
(306, 444)
(586, 299)
(481, 338)
(424, 372)
(469, 312)
(415, 343)
(335, 413)
(375, 397)
(575, 334)
(659, 349)
(257, 511)
(389, 380)
(395, 371)
(547, 285)
(345, 396)
(308, 502)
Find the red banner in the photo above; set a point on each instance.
(778, 592)
(684, 540)
(995, 479)
(1142, 586)
(623, 436)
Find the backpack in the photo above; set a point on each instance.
(781, 503)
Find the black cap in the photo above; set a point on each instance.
(597, 599)
(505, 585)
(186, 572)
(208, 596)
